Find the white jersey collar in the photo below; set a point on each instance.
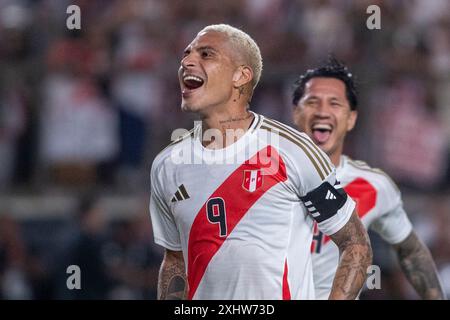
(217, 155)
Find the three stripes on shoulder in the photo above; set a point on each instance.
(181, 194)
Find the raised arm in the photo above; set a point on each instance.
(172, 283)
(418, 266)
(355, 256)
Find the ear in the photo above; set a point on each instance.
(352, 120)
(242, 76)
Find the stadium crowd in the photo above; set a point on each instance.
(85, 111)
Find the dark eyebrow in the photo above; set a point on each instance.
(206, 48)
(312, 98)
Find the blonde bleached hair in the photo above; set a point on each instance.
(246, 46)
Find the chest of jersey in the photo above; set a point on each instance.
(211, 200)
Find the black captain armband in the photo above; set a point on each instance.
(324, 201)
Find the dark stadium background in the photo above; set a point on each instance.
(83, 113)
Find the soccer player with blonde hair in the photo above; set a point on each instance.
(236, 215)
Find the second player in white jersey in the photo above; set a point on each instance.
(325, 108)
(380, 208)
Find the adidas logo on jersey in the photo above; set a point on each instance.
(181, 194)
(330, 196)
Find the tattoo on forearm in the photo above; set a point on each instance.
(351, 273)
(172, 281)
(176, 288)
(356, 256)
(418, 266)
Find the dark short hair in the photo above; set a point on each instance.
(331, 69)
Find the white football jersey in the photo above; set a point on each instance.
(236, 213)
(379, 205)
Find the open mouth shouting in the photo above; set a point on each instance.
(190, 83)
(321, 132)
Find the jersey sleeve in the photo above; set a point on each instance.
(323, 196)
(165, 231)
(393, 224)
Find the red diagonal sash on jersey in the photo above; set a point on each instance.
(204, 237)
(365, 196)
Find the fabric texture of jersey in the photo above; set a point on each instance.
(236, 213)
(379, 205)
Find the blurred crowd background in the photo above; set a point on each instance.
(84, 112)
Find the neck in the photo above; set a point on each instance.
(335, 157)
(225, 127)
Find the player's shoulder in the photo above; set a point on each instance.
(281, 129)
(164, 156)
(298, 147)
(375, 176)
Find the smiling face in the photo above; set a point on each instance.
(324, 114)
(207, 72)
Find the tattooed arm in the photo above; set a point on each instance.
(355, 256)
(418, 266)
(172, 283)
